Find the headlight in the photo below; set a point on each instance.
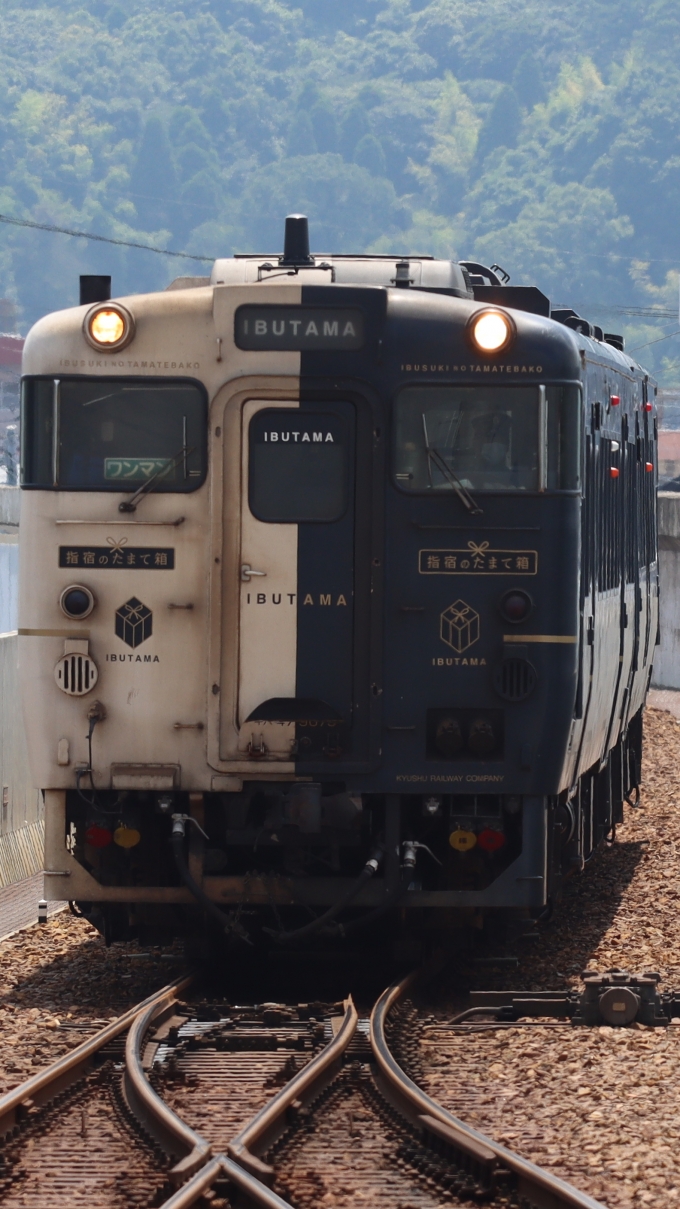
(491, 331)
(108, 326)
(76, 602)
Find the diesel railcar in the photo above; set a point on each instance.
(339, 594)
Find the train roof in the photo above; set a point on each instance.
(458, 279)
(414, 271)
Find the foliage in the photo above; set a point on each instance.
(544, 137)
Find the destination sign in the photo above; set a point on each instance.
(293, 328)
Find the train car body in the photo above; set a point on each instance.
(366, 610)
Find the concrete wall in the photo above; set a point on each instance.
(667, 658)
(20, 802)
(10, 505)
(21, 806)
(9, 584)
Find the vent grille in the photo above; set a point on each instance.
(76, 674)
(515, 679)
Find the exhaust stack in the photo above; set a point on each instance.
(94, 289)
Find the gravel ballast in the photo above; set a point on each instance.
(59, 984)
(599, 1107)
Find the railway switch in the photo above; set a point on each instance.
(615, 997)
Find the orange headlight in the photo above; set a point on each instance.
(108, 326)
(491, 331)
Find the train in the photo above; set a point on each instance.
(338, 598)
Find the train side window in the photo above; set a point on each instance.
(564, 436)
(113, 434)
(298, 466)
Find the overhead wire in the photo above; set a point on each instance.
(658, 341)
(121, 243)
(633, 311)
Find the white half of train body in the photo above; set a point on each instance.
(378, 590)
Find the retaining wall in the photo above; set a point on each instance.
(667, 658)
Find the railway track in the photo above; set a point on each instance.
(282, 1106)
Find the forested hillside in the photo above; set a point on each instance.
(544, 136)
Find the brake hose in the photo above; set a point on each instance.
(178, 832)
(392, 898)
(316, 925)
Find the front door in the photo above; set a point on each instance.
(296, 615)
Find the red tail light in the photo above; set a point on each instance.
(490, 840)
(614, 400)
(613, 472)
(515, 606)
(98, 837)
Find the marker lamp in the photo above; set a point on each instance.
(490, 840)
(515, 606)
(126, 837)
(491, 331)
(98, 837)
(462, 840)
(108, 326)
(76, 602)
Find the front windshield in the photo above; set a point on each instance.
(113, 434)
(480, 438)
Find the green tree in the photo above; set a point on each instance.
(502, 125)
(369, 154)
(301, 140)
(153, 178)
(354, 126)
(324, 126)
(527, 80)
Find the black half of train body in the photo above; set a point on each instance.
(473, 650)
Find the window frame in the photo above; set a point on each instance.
(543, 469)
(186, 487)
(348, 447)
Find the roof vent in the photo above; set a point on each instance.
(296, 241)
(480, 275)
(615, 341)
(570, 318)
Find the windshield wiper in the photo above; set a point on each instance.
(131, 504)
(433, 455)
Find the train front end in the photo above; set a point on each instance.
(301, 637)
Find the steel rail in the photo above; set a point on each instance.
(423, 1110)
(198, 1168)
(48, 1083)
(197, 1164)
(302, 1087)
(222, 1167)
(172, 1134)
